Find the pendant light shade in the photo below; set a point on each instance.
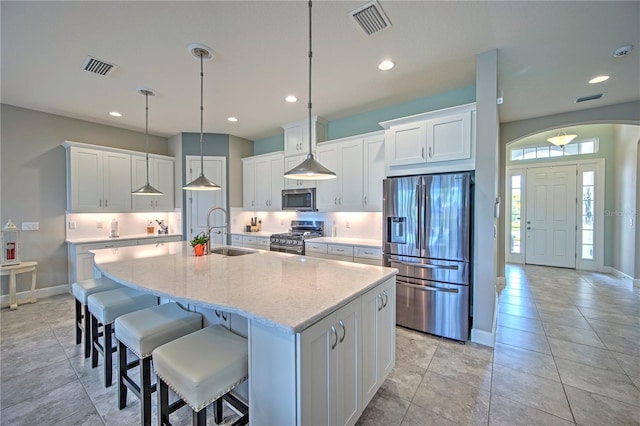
(201, 183)
(310, 169)
(562, 138)
(146, 189)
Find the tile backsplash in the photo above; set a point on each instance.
(92, 225)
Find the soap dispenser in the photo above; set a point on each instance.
(334, 229)
(114, 229)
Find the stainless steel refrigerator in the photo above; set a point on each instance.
(427, 237)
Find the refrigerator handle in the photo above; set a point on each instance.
(428, 288)
(418, 198)
(426, 265)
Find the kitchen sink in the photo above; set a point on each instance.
(224, 251)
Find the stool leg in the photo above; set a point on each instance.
(78, 322)
(108, 351)
(200, 418)
(87, 332)
(163, 403)
(145, 390)
(94, 342)
(217, 411)
(122, 371)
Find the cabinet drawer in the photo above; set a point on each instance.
(263, 242)
(158, 240)
(249, 240)
(83, 248)
(340, 250)
(368, 253)
(236, 239)
(315, 247)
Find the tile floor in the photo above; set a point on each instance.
(567, 352)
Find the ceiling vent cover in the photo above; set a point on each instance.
(589, 98)
(98, 66)
(371, 17)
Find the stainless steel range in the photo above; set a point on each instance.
(293, 242)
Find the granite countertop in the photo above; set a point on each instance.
(349, 241)
(103, 239)
(285, 291)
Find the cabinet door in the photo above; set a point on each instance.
(248, 184)
(373, 154)
(407, 143)
(116, 182)
(163, 180)
(290, 163)
(139, 178)
(327, 190)
(85, 186)
(295, 139)
(277, 183)
(350, 174)
(449, 138)
(387, 329)
(263, 183)
(347, 369)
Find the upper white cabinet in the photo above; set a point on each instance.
(97, 180)
(373, 161)
(262, 182)
(433, 142)
(345, 159)
(296, 135)
(290, 163)
(161, 177)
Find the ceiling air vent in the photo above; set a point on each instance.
(98, 66)
(371, 17)
(589, 98)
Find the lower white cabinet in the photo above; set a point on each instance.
(250, 241)
(330, 368)
(378, 337)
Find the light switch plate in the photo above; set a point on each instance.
(30, 226)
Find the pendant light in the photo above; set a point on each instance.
(310, 169)
(146, 189)
(201, 183)
(562, 138)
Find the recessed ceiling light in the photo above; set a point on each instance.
(232, 119)
(386, 65)
(599, 79)
(115, 114)
(291, 99)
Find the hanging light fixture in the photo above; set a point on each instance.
(201, 183)
(146, 189)
(562, 138)
(310, 169)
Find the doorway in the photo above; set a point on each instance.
(199, 202)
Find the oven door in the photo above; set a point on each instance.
(286, 248)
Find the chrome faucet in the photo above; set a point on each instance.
(209, 227)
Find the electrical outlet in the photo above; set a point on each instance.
(348, 224)
(72, 224)
(98, 225)
(30, 226)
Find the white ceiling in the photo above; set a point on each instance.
(547, 53)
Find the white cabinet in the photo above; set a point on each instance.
(290, 163)
(98, 181)
(373, 157)
(236, 240)
(345, 193)
(161, 177)
(432, 142)
(378, 337)
(296, 135)
(330, 368)
(81, 261)
(159, 240)
(248, 184)
(367, 255)
(261, 243)
(262, 182)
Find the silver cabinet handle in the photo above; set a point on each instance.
(100, 203)
(151, 203)
(340, 200)
(430, 156)
(386, 299)
(335, 200)
(344, 331)
(428, 288)
(422, 153)
(379, 296)
(426, 265)
(365, 199)
(335, 333)
(106, 203)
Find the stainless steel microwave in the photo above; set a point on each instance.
(299, 199)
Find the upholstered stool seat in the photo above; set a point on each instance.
(104, 308)
(201, 368)
(81, 290)
(143, 331)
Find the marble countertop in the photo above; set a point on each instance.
(254, 234)
(349, 241)
(285, 291)
(103, 239)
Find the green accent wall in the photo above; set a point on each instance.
(368, 121)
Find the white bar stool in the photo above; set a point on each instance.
(104, 308)
(81, 290)
(143, 331)
(201, 368)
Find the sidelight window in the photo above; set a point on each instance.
(516, 193)
(588, 199)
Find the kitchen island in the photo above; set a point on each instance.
(321, 332)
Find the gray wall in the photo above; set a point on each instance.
(33, 182)
(624, 209)
(238, 148)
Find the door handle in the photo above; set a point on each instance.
(418, 227)
(426, 265)
(430, 155)
(386, 299)
(422, 153)
(428, 288)
(381, 304)
(528, 227)
(335, 333)
(344, 331)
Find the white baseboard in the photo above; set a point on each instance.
(616, 273)
(484, 337)
(38, 293)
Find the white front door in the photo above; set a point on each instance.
(199, 202)
(551, 216)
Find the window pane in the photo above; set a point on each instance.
(555, 151)
(515, 181)
(587, 222)
(515, 241)
(543, 152)
(586, 147)
(529, 153)
(587, 237)
(587, 178)
(516, 154)
(571, 149)
(587, 251)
